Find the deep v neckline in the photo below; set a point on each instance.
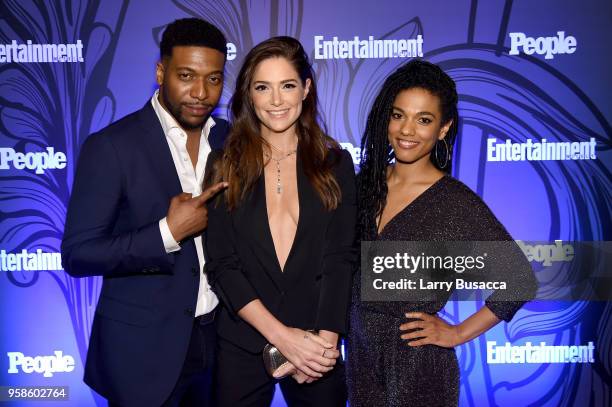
(299, 220)
(407, 206)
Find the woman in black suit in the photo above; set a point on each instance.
(279, 239)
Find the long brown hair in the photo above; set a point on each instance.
(243, 162)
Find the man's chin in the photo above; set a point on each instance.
(192, 124)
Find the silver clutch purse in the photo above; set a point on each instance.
(276, 363)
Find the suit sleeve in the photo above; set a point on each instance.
(223, 266)
(90, 245)
(340, 254)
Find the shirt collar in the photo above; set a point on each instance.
(168, 122)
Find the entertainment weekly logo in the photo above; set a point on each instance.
(45, 365)
(547, 46)
(370, 48)
(540, 150)
(539, 353)
(29, 52)
(231, 51)
(30, 261)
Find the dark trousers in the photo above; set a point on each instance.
(194, 385)
(241, 381)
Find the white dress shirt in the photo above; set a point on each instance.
(191, 182)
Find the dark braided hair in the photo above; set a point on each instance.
(376, 152)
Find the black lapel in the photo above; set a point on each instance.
(254, 219)
(253, 212)
(310, 207)
(155, 142)
(218, 133)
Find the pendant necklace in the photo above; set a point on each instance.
(279, 188)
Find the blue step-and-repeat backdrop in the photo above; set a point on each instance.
(529, 73)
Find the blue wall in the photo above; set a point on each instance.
(506, 95)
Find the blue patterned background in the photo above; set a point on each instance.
(514, 97)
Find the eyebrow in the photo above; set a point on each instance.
(423, 113)
(186, 68)
(283, 81)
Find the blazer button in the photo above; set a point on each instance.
(189, 312)
(194, 271)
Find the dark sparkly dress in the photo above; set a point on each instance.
(382, 370)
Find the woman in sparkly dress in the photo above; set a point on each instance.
(402, 353)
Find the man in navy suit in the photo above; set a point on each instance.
(136, 215)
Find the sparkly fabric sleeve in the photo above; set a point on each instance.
(510, 262)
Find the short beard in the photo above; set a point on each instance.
(175, 111)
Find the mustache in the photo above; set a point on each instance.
(206, 105)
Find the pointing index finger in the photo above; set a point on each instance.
(211, 191)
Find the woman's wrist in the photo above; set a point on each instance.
(258, 316)
(460, 335)
(475, 325)
(276, 334)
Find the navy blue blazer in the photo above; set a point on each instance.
(124, 181)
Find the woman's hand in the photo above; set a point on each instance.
(330, 337)
(302, 377)
(431, 329)
(309, 353)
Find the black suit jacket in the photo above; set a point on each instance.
(313, 291)
(124, 181)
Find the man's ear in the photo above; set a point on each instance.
(160, 69)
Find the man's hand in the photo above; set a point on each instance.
(188, 215)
